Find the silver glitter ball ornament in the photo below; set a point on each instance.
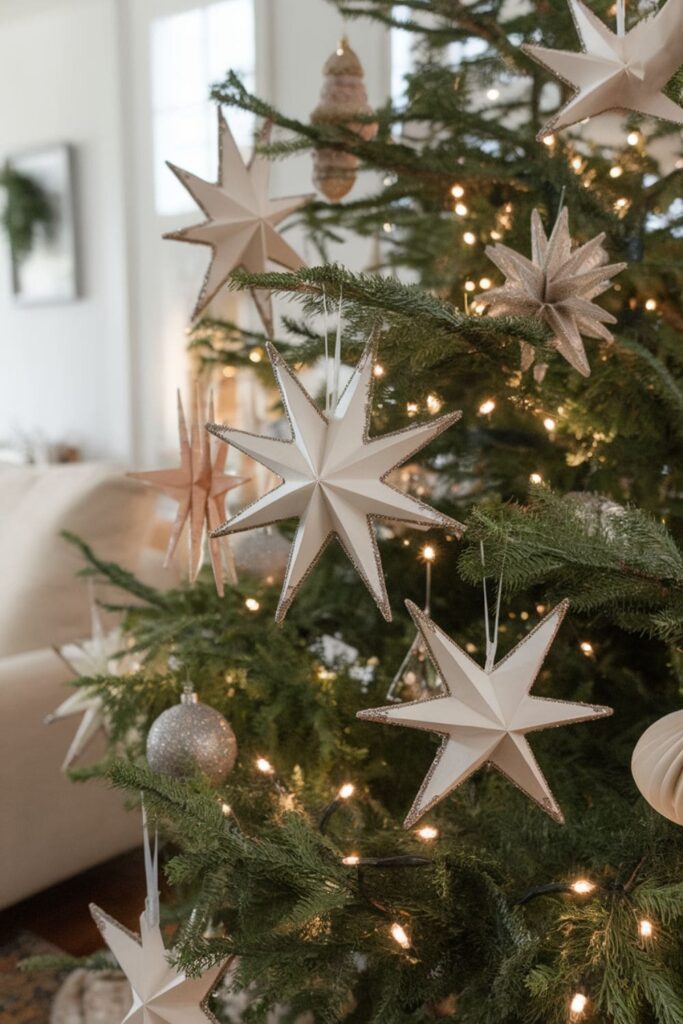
(191, 737)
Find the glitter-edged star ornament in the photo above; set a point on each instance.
(162, 993)
(334, 478)
(485, 716)
(617, 72)
(89, 659)
(241, 221)
(556, 285)
(200, 486)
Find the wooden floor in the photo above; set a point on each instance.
(61, 914)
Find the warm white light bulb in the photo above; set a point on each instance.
(549, 423)
(469, 238)
(470, 286)
(387, 227)
(650, 305)
(399, 934)
(226, 809)
(485, 283)
(536, 478)
(428, 553)
(549, 140)
(633, 138)
(492, 94)
(256, 355)
(347, 790)
(461, 210)
(645, 928)
(621, 203)
(582, 886)
(412, 408)
(434, 404)
(351, 860)
(378, 370)
(586, 648)
(486, 407)
(616, 171)
(457, 191)
(229, 372)
(264, 766)
(252, 604)
(578, 1005)
(428, 832)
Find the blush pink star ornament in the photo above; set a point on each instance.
(617, 71)
(200, 486)
(334, 478)
(485, 716)
(241, 225)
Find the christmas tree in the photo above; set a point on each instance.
(498, 269)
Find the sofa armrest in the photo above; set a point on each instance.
(51, 828)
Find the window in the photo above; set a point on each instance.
(189, 52)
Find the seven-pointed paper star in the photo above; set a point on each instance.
(617, 72)
(557, 285)
(162, 994)
(334, 478)
(241, 221)
(88, 659)
(200, 486)
(485, 716)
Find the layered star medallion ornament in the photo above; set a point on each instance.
(241, 221)
(556, 285)
(200, 486)
(162, 993)
(334, 478)
(484, 717)
(89, 659)
(617, 71)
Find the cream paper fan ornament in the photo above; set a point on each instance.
(617, 71)
(657, 766)
(485, 716)
(241, 221)
(556, 285)
(88, 659)
(200, 485)
(334, 478)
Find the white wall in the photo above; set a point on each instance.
(102, 372)
(64, 368)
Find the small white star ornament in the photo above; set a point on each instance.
(334, 479)
(200, 486)
(162, 993)
(241, 221)
(88, 659)
(617, 71)
(485, 716)
(557, 285)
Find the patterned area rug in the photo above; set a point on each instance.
(26, 998)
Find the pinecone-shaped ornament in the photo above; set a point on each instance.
(342, 96)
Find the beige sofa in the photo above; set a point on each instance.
(51, 828)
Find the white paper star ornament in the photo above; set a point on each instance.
(162, 994)
(334, 479)
(88, 659)
(241, 221)
(485, 716)
(617, 71)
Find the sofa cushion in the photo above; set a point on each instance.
(52, 828)
(42, 601)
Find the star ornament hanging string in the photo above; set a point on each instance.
(241, 225)
(617, 71)
(334, 478)
(485, 715)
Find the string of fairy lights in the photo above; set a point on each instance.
(579, 1003)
